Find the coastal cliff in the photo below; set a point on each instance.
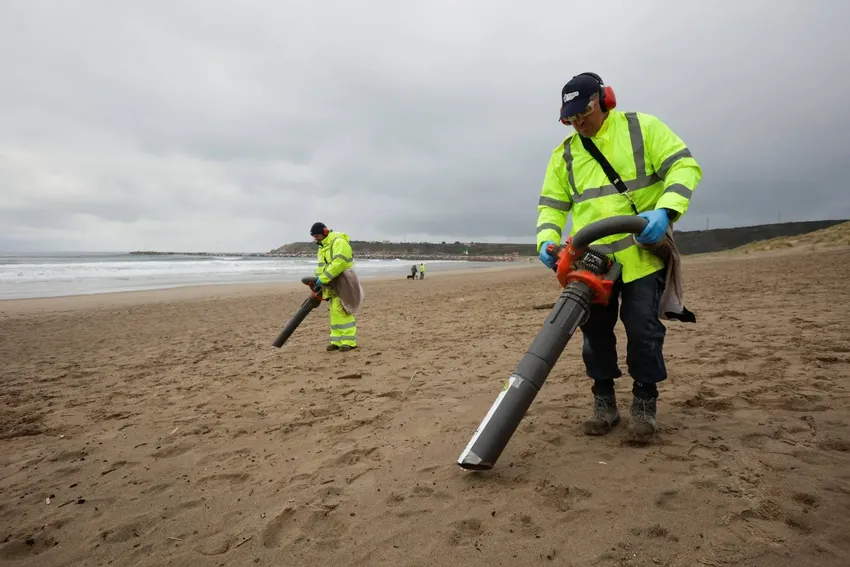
(688, 242)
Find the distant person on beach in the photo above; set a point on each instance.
(413, 272)
(338, 284)
(422, 271)
(658, 177)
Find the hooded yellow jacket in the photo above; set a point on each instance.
(334, 256)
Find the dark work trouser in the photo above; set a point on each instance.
(644, 333)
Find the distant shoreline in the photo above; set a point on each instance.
(79, 299)
(365, 256)
(687, 242)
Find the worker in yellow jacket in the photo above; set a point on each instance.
(334, 257)
(657, 177)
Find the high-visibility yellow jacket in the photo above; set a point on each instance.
(334, 257)
(654, 163)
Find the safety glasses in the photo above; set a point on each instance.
(583, 114)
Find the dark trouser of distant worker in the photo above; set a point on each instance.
(654, 176)
(334, 257)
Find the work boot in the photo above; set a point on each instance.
(332, 347)
(605, 415)
(642, 425)
(345, 348)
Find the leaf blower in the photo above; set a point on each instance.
(586, 277)
(309, 304)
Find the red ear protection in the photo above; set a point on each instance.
(607, 98)
(325, 231)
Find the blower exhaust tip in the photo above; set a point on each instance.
(472, 462)
(473, 467)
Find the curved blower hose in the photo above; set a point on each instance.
(586, 277)
(309, 304)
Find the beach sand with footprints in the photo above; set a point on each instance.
(161, 428)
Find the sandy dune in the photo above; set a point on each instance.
(832, 237)
(164, 430)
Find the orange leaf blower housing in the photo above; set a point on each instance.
(567, 271)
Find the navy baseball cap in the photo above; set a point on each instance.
(575, 96)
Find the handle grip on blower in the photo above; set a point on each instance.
(555, 251)
(310, 281)
(577, 245)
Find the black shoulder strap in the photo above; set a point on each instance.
(613, 176)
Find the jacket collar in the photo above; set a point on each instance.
(326, 241)
(605, 131)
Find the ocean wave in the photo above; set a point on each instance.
(207, 269)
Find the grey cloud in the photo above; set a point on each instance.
(195, 125)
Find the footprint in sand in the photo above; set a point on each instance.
(354, 456)
(186, 505)
(523, 524)
(813, 457)
(556, 440)
(233, 479)
(136, 527)
(799, 523)
(654, 531)
(803, 404)
(319, 528)
(27, 547)
(703, 484)
(823, 385)
(560, 497)
(157, 488)
(728, 373)
(116, 466)
(465, 530)
(420, 491)
(278, 529)
(806, 499)
(173, 450)
(239, 455)
(218, 543)
(834, 444)
(394, 499)
(668, 500)
(66, 472)
(69, 456)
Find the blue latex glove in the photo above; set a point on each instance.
(548, 260)
(317, 286)
(655, 228)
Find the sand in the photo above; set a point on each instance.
(161, 428)
(837, 236)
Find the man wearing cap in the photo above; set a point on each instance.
(334, 258)
(660, 175)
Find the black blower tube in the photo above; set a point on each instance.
(569, 313)
(309, 304)
(607, 227)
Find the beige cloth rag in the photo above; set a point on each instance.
(672, 303)
(347, 287)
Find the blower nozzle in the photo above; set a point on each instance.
(308, 305)
(586, 276)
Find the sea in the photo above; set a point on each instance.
(82, 273)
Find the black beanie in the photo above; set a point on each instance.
(317, 228)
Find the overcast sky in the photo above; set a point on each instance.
(233, 126)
